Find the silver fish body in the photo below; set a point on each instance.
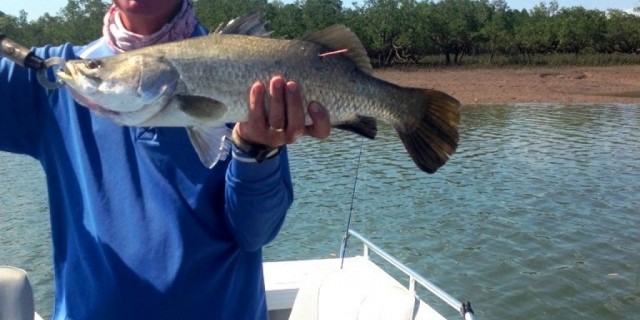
(203, 82)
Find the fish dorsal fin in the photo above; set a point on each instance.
(249, 24)
(339, 37)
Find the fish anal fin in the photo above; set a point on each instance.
(202, 109)
(210, 143)
(364, 126)
(432, 137)
(339, 37)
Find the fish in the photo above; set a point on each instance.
(202, 83)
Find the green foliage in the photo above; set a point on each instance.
(284, 20)
(302, 17)
(76, 22)
(580, 29)
(399, 31)
(383, 26)
(213, 13)
(623, 33)
(12, 26)
(319, 14)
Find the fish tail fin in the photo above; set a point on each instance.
(431, 137)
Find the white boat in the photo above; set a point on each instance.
(331, 289)
(351, 288)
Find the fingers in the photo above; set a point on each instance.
(257, 114)
(277, 107)
(295, 113)
(256, 124)
(321, 127)
(283, 121)
(286, 112)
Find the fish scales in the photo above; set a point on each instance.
(204, 82)
(224, 67)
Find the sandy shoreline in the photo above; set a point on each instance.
(566, 85)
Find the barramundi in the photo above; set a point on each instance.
(203, 83)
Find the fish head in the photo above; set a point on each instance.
(128, 89)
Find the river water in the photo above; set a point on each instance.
(537, 215)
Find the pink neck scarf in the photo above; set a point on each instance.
(120, 39)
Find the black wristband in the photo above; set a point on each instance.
(259, 152)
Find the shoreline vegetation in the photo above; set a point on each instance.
(395, 31)
(533, 60)
(479, 51)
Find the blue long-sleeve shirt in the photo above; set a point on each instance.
(140, 229)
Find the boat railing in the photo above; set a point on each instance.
(464, 308)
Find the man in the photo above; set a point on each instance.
(141, 230)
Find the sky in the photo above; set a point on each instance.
(36, 8)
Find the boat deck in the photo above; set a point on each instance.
(324, 291)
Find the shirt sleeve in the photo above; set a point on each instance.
(258, 196)
(24, 104)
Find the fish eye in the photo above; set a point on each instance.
(93, 64)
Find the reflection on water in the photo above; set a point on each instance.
(535, 216)
(24, 224)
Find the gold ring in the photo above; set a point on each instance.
(276, 130)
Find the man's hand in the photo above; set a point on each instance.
(284, 122)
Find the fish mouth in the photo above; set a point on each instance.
(66, 74)
(69, 75)
(91, 105)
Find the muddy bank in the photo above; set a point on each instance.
(567, 85)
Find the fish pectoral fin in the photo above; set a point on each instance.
(202, 109)
(364, 126)
(212, 144)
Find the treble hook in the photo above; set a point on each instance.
(28, 59)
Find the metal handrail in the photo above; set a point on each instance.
(464, 309)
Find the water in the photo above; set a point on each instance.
(535, 216)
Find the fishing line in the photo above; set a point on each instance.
(345, 237)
